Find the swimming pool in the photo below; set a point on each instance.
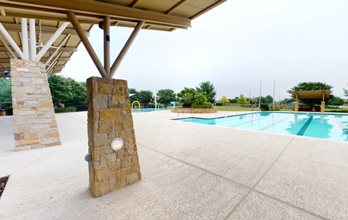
(327, 126)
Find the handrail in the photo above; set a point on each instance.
(137, 103)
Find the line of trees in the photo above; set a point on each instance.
(200, 97)
(332, 101)
(67, 91)
(73, 94)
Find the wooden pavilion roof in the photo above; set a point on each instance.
(312, 94)
(163, 15)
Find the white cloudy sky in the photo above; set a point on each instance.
(235, 46)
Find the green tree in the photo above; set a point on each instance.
(335, 101)
(304, 86)
(133, 95)
(242, 100)
(145, 97)
(287, 101)
(345, 92)
(208, 89)
(165, 96)
(234, 100)
(186, 97)
(266, 100)
(224, 100)
(5, 90)
(200, 101)
(190, 98)
(67, 91)
(79, 93)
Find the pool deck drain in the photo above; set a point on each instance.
(189, 171)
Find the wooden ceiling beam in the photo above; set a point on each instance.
(7, 60)
(99, 9)
(175, 7)
(63, 49)
(45, 29)
(134, 3)
(215, 4)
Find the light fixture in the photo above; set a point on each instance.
(116, 144)
(88, 158)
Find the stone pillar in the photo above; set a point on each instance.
(322, 106)
(34, 121)
(296, 106)
(109, 117)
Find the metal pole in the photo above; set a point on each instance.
(55, 59)
(51, 41)
(106, 27)
(260, 94)
(125, 48)
(11, 41)
(274, 87)
(32, 35)
(58, 48)
(25, 46)
(2, 12)
(50, 70)
(88, 46)
(7, 47)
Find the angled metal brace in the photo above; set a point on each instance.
(72, 17)
(125, 48)
(51, 41)
(11, 41)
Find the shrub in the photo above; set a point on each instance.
(264, 107)
(9, 111)
(219, 104)
(200, 101)
(190, 98)
(66, 109)
(204, 105)
(186, 96)
(80, 108)
(274, 109)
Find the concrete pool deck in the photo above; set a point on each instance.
(190, 171)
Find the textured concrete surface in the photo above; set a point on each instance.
(190, 171)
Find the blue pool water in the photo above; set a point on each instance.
(328, 126)
(149, 109)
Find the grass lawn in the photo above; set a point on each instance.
(237, 107)
(338, 110)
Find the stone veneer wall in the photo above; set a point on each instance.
(33, 113)
(109, 116)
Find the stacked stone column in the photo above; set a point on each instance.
(109, 117)
(296, 106)
(33, 113)
(322, 106)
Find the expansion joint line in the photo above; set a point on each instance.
(250, 189)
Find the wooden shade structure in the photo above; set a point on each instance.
(311, 94)
(163, 15)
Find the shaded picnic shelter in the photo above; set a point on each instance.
(38, 37)
(313, 95)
